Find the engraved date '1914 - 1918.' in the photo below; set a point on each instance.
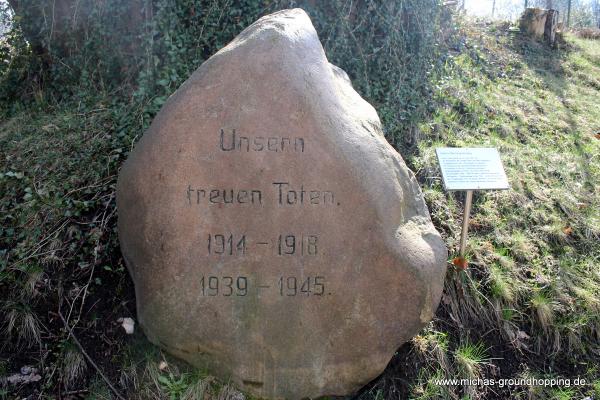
(229, 244)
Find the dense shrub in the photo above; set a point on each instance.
(389, 48)
(588, 33)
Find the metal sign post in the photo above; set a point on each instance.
(469, 169)
(465, 225)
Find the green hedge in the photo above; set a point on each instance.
(389, 48)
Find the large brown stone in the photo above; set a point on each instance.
(272, 233)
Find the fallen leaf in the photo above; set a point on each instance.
(460, 263)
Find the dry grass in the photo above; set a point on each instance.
(74, 366)
(22, 325)
(588, 33)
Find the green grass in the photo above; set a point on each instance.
(470, 359)
(535, 253)
(528, 304)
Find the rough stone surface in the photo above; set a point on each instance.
(294, 259)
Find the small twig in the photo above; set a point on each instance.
(94, 185)
(71, 334)
(72, 392)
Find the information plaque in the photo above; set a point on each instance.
(472, 169)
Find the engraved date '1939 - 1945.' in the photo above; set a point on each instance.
(285, 286)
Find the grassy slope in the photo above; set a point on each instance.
(528, 306)
(532, 294)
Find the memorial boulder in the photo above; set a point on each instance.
(273, 235)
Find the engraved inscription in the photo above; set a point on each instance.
(283, 194)
(224, 286)
(285, 286)
(232, 141)
(292, 245)
(229, 244)
(224, 196)
(280, 245)
(287, 196)
(226, 245)
(292, 286)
